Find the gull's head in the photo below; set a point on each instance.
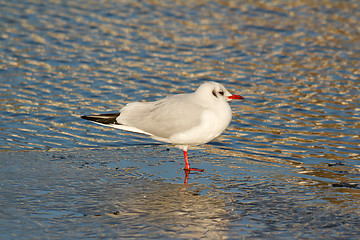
(214, 91)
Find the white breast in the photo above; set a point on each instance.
(213, 122)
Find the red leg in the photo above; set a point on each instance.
(187, 165)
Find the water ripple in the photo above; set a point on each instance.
(298, 95)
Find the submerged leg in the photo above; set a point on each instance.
(187, 165)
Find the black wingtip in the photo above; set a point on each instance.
(90, 118)
(108, 118)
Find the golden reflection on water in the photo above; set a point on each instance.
(302, 62)
(184, 214)
(295, 63)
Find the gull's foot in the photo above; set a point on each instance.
(194, 169)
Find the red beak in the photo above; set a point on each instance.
(235, 97)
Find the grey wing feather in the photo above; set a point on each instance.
(162, 118)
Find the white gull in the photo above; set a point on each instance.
(183, 120)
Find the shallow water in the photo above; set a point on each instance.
(287, 166)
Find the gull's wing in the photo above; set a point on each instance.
(163, 118)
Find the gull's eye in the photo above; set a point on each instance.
(221, 92)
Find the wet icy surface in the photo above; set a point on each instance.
(139, 193)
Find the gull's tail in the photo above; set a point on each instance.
(109, 120)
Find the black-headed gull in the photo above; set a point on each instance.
(183, 120)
